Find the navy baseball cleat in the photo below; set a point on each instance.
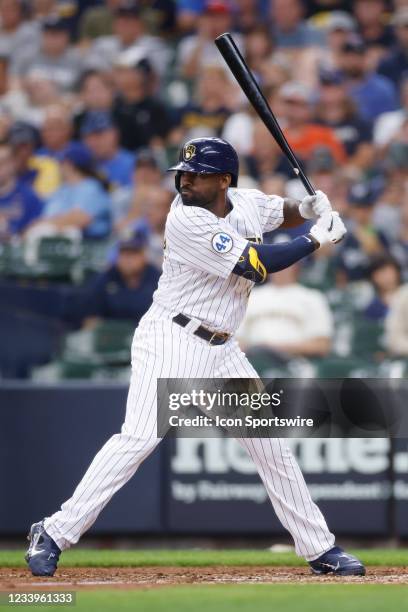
(338, 562)
(43, 553)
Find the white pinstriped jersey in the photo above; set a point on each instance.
(201, 251)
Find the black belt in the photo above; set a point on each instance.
(215, 338)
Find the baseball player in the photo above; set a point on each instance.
(213, 256)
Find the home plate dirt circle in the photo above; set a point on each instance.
(78, 578)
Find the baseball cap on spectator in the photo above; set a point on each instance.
(329, 76)
(294, 90)
(134, 58)
(78, 154)
(363, 194)
(146, 157)
(217, 6)
(340, 20)
(96, 121)
(23, 133)
(135, 237)
(400, 17)
(127, 8)
(55, 23)
(354, 44)
(321, 160)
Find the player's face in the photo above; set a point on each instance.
(202, 189)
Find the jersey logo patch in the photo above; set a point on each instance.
(222, 242)
(188, 152)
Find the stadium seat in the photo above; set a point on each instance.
(108, 343)
(334, 366)
(368, 338)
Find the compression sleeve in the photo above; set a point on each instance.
(258, 260)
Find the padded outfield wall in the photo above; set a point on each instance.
(49, 435)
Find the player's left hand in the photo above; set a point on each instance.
(313, 207)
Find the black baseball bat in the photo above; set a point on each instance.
(250, 87)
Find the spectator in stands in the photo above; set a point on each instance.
(39, 172)
(265, 157)
(278, 318)
(396, 324)
(305, 135)
(373, 27)
(388, 125)
(385, 277)
(198, 50)
(102, 138)
(372, 93)
(147, 177)
(207, 112)
(130, 37)
(142, 119)
(399, 208)
(39, 94)
(187, 14)
(338, 28)
(289, 28)
(96, 94)
(307, 64)
(363, 241)
(125, 290)
(337, 110)
(388, 210)
(258, 47)
(19, 204)
(249, 14)
(55, 60)
(17, 36)
(82, 201)
(395, 65)
(97, 21)
(56, 132)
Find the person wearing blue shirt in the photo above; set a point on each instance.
(372, 93)
(82, 200)
(125, 290)
(385, 276)
(19, 204)
(101, 136)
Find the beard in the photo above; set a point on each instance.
(192, 199)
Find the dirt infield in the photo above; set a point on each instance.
(17, 579)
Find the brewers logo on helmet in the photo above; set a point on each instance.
(207, 156)
(188, 152)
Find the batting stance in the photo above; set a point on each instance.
(213, 255)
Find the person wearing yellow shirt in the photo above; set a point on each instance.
(40, 172)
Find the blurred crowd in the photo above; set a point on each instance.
(97, 97)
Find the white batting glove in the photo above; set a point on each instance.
(312, 207)
(329, 229)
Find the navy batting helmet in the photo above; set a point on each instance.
(207, 156)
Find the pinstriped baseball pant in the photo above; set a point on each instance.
(162, 349)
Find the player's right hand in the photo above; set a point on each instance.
(313, 207)
(329, 229)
